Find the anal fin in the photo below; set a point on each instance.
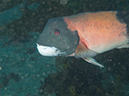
(93, 61)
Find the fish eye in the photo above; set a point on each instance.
(56, 32)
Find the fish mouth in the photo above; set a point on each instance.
(49, 51)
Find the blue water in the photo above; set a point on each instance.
(24, 72)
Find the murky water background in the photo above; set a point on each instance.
(24, 72)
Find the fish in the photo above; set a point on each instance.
(85, 35)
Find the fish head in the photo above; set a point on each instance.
(57, 39)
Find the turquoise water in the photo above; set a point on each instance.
(24, 72)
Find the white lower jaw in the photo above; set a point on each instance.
(48, 51)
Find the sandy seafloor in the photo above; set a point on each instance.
(23, 70)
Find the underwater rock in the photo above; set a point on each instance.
(9, 15)
(63, 2)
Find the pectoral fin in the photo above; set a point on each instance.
(93, 61)
(83, 51)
